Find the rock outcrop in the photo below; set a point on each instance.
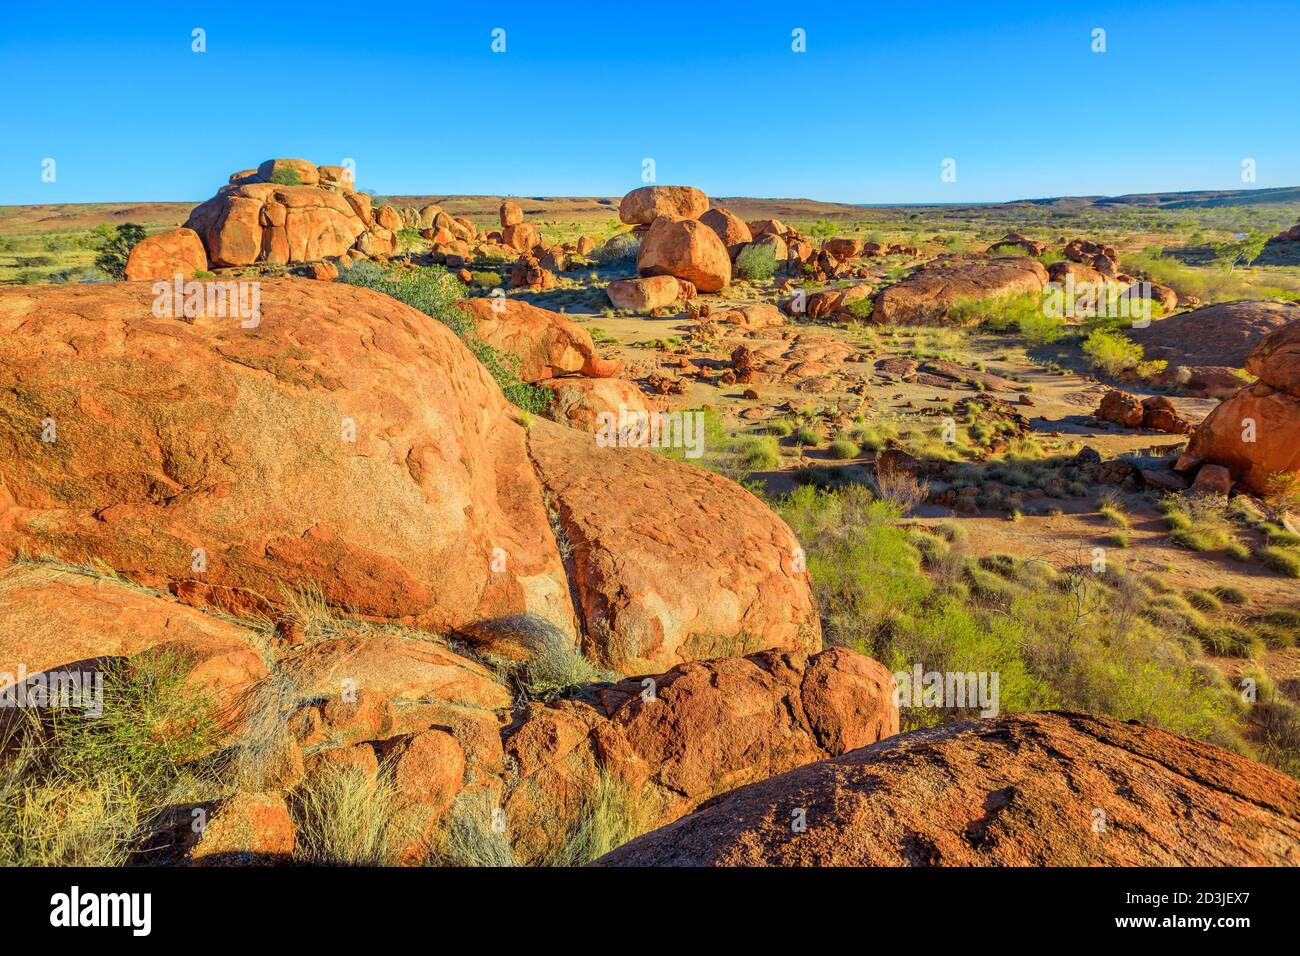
(687, 249)
(643, 206)
(1255, 434)
(546, 343)
(926, 295)
(287, 211)
(678, 738)
(1044, 789)
(352, 444)
(166, 255)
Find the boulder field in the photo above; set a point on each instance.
(352, 444)
(1042, 789)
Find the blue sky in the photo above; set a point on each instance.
(715, 95)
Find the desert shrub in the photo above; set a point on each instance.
(861, 309)
(1112, 509)
(843, 449)
(488, 280)
(780, 427)
(284, 176)
(611, 815)
(1111, 353)
(619, 250)
(756, 262)
(471, 835)
(760, 453)
(1204, 600)
(82, 791)
(901, 487)
(1230, 594)
(434, 291)
(1056, 637)
(1200, 523)
(1282, 560)
(342, 817)
(1038, 328)
(555, 667)
(999, 313)
(809, 435)
(114, 246)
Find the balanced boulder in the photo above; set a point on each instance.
(643, 206)
(687, 249)
(166, 255)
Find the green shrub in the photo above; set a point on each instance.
(760, 453)
(756, 262)
(619, 250)
(114, 246)
(1283, 560)
(808, 435)
(285, 176)
(343, 817)
(435, 291)
(843, 449)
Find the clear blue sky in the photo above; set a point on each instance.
(585, 91)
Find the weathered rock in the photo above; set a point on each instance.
(346, 441)
(545, 342)
(640, 610)
(579, 401)
(767, 227)
(165, 255)
(731, 229)
(844, 247)
(1013, 240)
(529, 273)
(678, 738)
(1040, 789)
(54, 619)
(642, 206)
(522, 236)
(1161, 415)
(644, 294)
(248, 829)
(686, 249)
(926, 295)
(510, 214)
(276, 223)
(1213, 480)
(1220, 335)
(1121, 408)
(394, 668)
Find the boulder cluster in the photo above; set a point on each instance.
(1252, 439)
(682, 237)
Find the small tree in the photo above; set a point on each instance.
(822, 230)
(114, 247)
(1246, 247)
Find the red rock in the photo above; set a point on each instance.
(546, 343)
(248, 829)
(359, 757)
(1121, 408)
(578, 402)
(926, 295)
(644, 294)
(1161, 415)
(1038, 789)
(306, 172)
(165, 255)
(642, 206)
(52, 619)
(767, 227)
(522, 236)
(731, 229)
(688, 250)
(510, 214)
(744, 718)
(844, 248)
(1212, 479)
(628, 568)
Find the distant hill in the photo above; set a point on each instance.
(1197, 199)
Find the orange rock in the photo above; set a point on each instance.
(642, 206)
(686, 249)
(644, 294)
(731, 229)
(248, 829)
(627, 561)
(53, 619)
(522, 236)
(167, 254)
(511, 214)
(389, 218)
(578, 402)
(306, 172)
(926, 295)
(1038, 789)
(546, 343)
